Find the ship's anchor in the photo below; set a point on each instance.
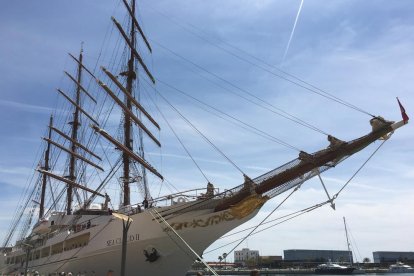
(151, 256)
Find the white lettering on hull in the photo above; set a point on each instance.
(118, 241)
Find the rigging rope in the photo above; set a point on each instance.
(263, 220)
(200, 133)
(266, 135)
(61, 121)
(311, 88)
(354, 244)
(181, 142)
(157, 217)
(287, 115)
(277, 207)
(298, 213)
(360, 168)
(289, 216)
(271, 226)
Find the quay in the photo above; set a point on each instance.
(293, 271)
(248, 271)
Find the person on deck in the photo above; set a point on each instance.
(210, 190)
(145, 203)
(107, 200)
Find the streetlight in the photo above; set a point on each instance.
(29, 248)
(126, 223)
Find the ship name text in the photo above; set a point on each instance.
(118, 241)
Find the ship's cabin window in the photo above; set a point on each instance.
(78, 241)
(57, 248)
(45, 252)
(19, 259)
(36, 255)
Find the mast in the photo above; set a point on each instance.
(74, 138)
(141, 153)
(131, 76)
(46, 168)
(73, 149)
(348, 244)
(129, 101)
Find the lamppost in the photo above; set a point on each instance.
(126, 223)
(29, 248)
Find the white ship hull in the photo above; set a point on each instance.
(399, 267)
(102, 254)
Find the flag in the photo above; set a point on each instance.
(403, 114)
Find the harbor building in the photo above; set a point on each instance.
(392, 256)
(271, 258)
(246, 257)
(270, 261)
(311, 255)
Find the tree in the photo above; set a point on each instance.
(366, 260)
(251, 262)
(225, 258)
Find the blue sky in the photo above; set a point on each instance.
(360, 51)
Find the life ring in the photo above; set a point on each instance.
(181, 199)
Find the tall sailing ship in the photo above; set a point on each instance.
(73, 225)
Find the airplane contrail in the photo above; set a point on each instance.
(293, 31)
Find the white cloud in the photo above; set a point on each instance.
(27, 107)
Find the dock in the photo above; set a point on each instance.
(293, 271)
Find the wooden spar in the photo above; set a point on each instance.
(73, 153)
(76, 105)
(137, 25)
(130, 97)
(129, 112)
(131, 46)
(322, 158)
(83, 66)
(77, 143)
(80, 86)
(310, 162)
(70, 182)
(44, 176)
(130, 153)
